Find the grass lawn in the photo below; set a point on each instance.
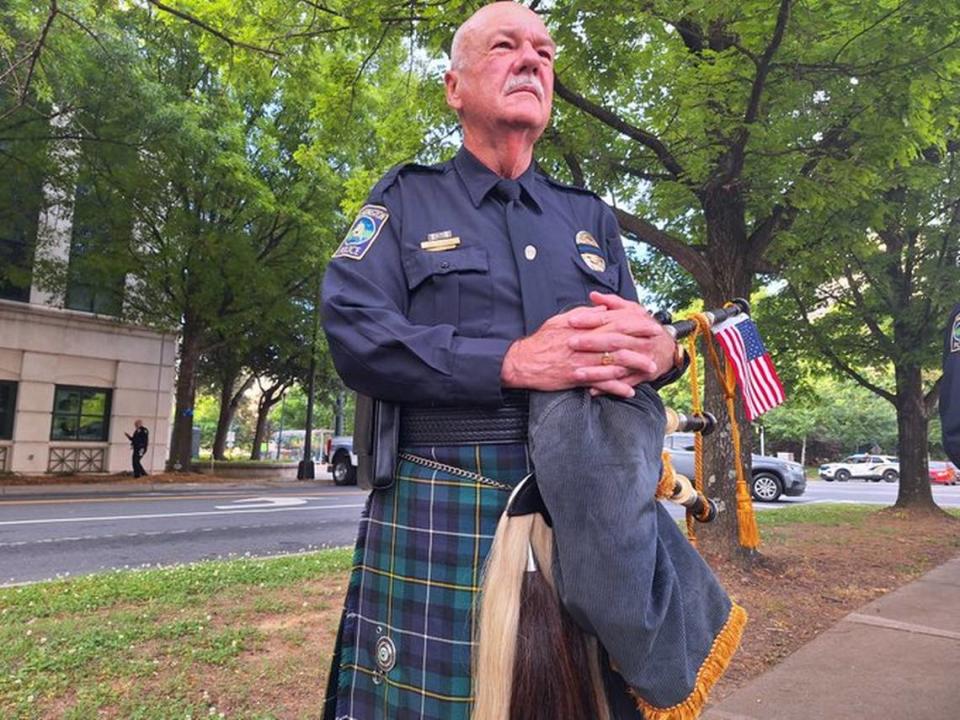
(251, 639)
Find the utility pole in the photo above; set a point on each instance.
(283, 405)
(306, 469)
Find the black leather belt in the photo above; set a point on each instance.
(464, 425)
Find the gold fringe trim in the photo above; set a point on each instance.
(715, 664)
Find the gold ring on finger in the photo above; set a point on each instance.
(606, 358)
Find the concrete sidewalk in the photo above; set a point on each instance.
(898, 657)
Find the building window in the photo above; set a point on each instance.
(21, 195)
(8, 406)
(19, 213)
(81, 413)
(16, 261)
(94, 282)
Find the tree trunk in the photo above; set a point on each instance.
(730, 278)
(803, 452)
(912, 427)
(181, 441)
(267, 400)
(262, 410)
(229, 400)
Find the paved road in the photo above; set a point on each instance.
(55, 534)
(50, 536)
(858, 491)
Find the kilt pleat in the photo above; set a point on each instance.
(406, 633)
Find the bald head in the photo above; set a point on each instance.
(500, 81)
(465, 39)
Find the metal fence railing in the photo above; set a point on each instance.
(76, 460)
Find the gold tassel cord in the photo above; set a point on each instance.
(696, 407)
(724, 646)
(747, 532)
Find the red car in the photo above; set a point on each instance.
(943, 473)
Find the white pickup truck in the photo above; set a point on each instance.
(862, 465)
(341, 460)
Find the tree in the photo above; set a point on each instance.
(222, 372)
(874, 289)
(217, 166)
(830, 418)
(715, 125)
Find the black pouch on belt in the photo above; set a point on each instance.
(376, 433)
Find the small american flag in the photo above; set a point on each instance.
(761, 388)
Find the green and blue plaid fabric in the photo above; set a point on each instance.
(406, 634)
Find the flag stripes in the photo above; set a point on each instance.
(758, 380)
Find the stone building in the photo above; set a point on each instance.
(73, 378)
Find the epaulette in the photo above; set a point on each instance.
(564, 186)
(397, 170)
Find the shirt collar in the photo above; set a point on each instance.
(479, 179)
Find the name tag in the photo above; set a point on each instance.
(440, 244)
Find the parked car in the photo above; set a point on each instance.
(862, 465)
(771, 477)
(341, 461)
(943, 473)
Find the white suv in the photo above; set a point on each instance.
(868, 467)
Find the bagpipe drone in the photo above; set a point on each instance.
(594, 604)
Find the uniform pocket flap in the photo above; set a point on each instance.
(609, 277)
(422, 264)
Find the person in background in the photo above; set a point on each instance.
(138, 441)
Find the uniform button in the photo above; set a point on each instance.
(529, 252)
(444, 265)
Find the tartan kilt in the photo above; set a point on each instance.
(404, 645)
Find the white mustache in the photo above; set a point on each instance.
(524, 82)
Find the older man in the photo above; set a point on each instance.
(451, 297)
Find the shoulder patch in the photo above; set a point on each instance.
(363, 232)
(955, 335)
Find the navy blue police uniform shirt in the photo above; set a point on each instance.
(423, 297)
(950, 388)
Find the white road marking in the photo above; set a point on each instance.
(263, 502)
(157, 496)
(153, 516)
(146, 533)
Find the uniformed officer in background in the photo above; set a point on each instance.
(950, 388)
(451, 297)
(138, 441)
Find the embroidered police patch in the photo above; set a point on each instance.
(955, 335)
(363, 232)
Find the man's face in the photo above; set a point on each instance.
(137, 424)
(506, 75)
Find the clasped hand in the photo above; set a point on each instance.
(609, 347)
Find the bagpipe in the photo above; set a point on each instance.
(593, 603)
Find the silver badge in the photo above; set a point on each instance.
(594, 262)
(386, 654)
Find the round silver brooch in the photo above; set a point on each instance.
(386, 654)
